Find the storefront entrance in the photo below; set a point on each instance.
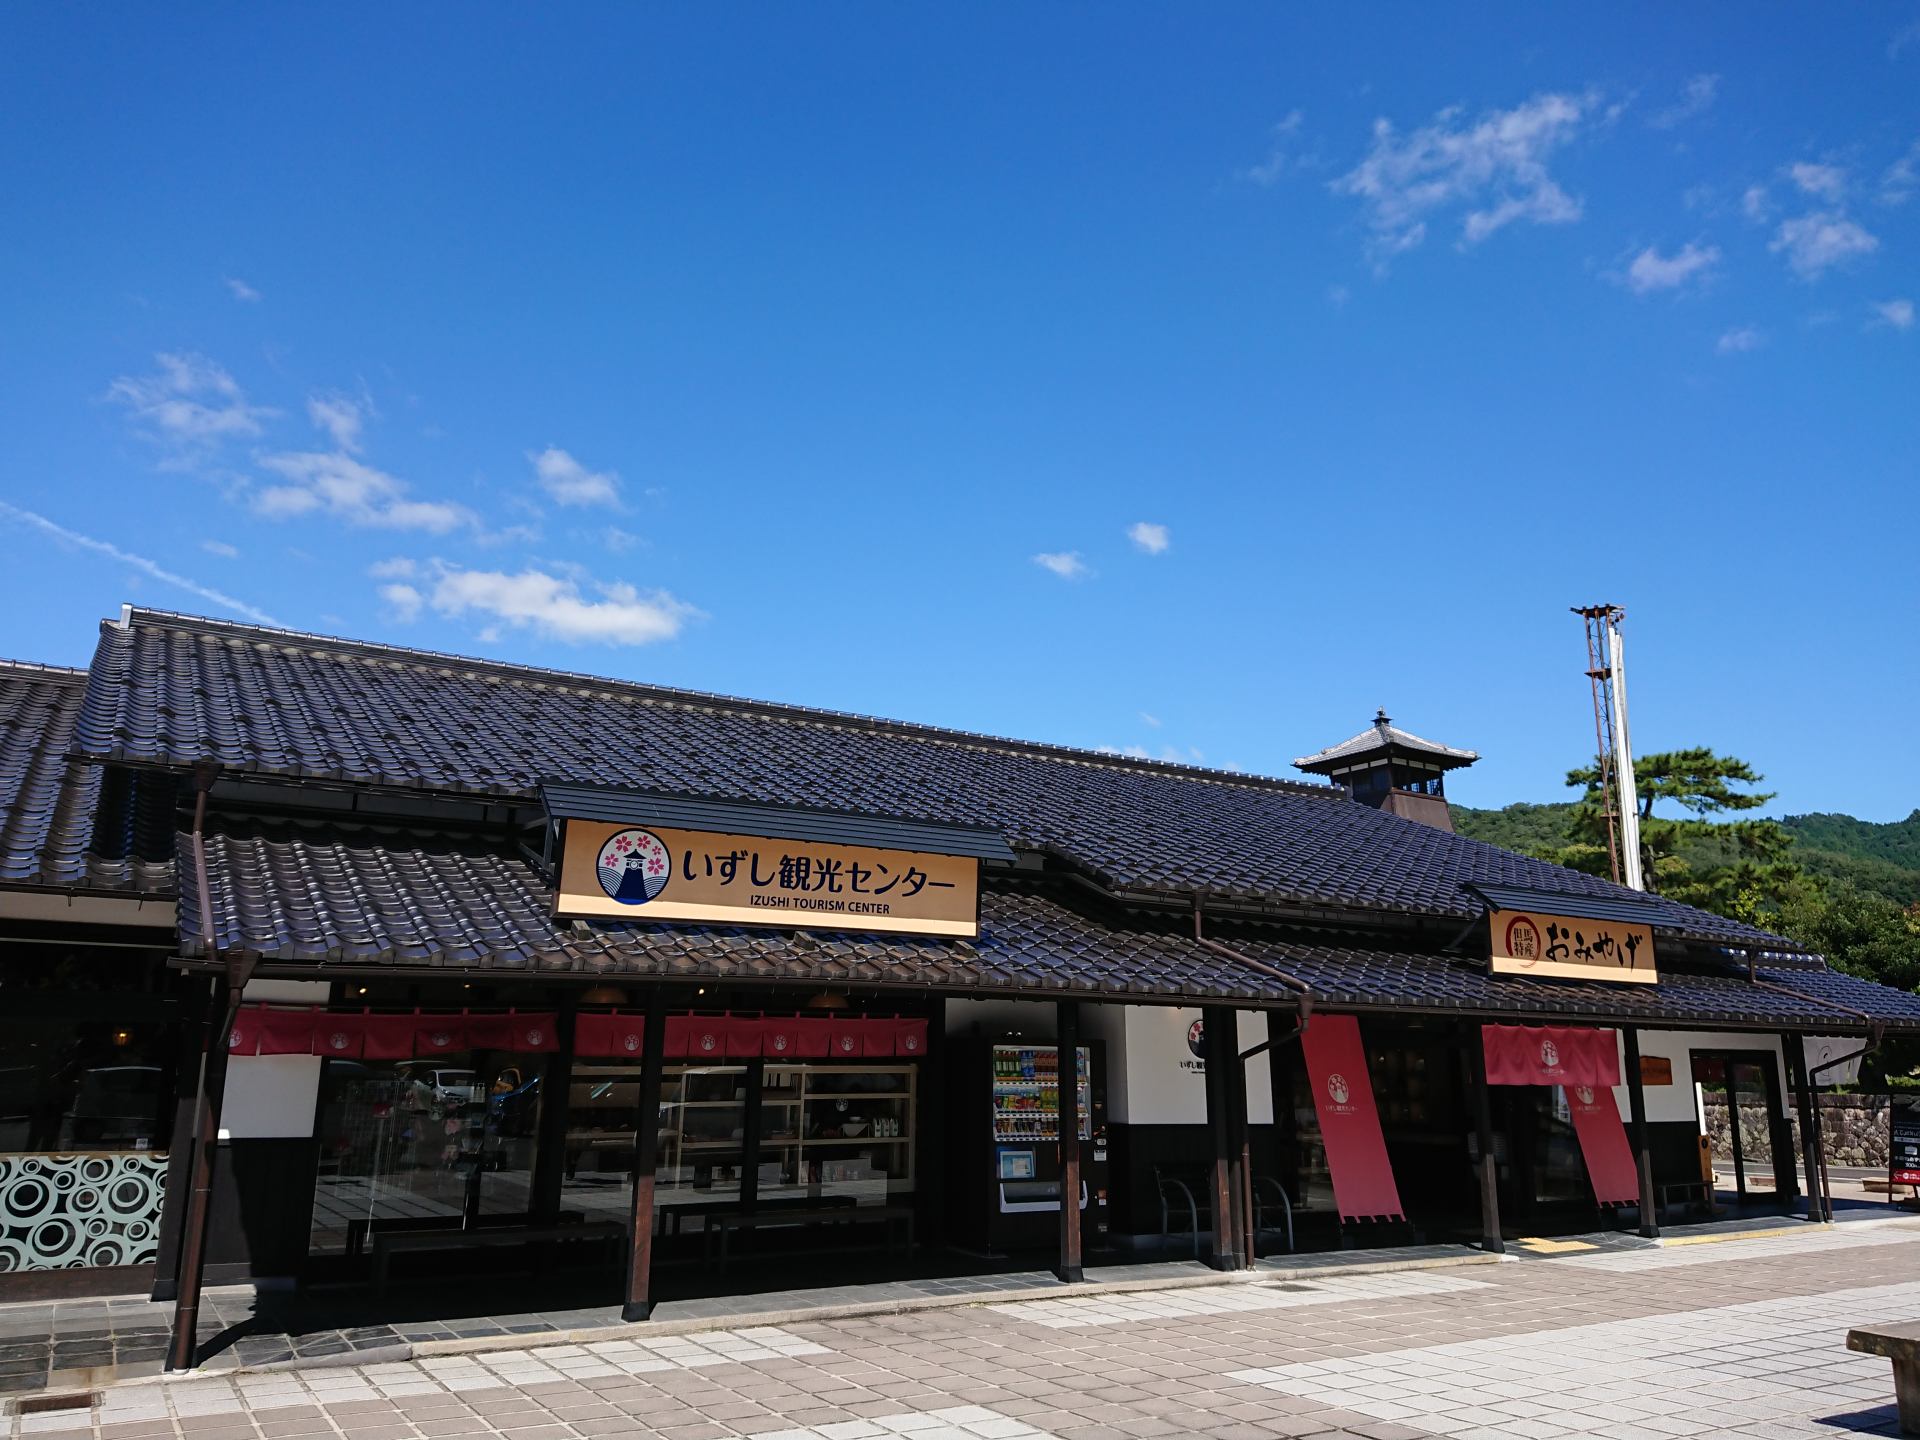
(1755, 1141)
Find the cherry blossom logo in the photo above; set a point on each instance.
(440, 1039)
(1197, 1039)
(779, 1044)
(1585, 1092)
(709, 1041)
(633, 866)
(630, 1043)
(1337, 1090)
(846, 1043)
(910, 1042)
(536, 1037)
(1549, 1055)
(339, 1040)
(235, 1040)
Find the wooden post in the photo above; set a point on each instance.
(1067, 1037)
(1249, 1216)
(1806, 1101)
(1218, 1034)
(1483, 1120)
(1643, 1156)
(222, 1014)
(646, 1159)
(550, 1139)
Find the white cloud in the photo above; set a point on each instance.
(1755, 203)
(1902, 39)
(1828, 182)
(1132, 752)
(1150, 537)
(1338, 295)
(1282, 156)
(1739, 340)
(336, 484)
(242, 290)
(403, 601)
(189, 401)
(1813, 243)
(1902, 179)
(1696, 97)
(138, 562)
(1652, 271)
(571, 483)
(617, 540)
(398, 568)
(341, 417)
(1067, 564)
(1496, 166)
(220, 548)
(554, 607)
(1152, 722)
(1897, 313)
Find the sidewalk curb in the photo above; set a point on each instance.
(800, 1315)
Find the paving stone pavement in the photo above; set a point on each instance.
(1747, 1339)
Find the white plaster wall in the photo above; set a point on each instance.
(270, 1097)
(1675, 1102)
(1166, 1082)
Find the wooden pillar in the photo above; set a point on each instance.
(1642, 1154)
(646, 1159)
(550, 1144)
(223, 1013)
(1807, 1102)
(1218, 1034)
(1246, 1218)
(1067, 1037)
(1483, 1121)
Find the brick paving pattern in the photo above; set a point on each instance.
(1742, 1339)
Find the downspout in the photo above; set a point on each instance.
(183, 1345)
(1875, 1033)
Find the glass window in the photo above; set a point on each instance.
(443, 1141)
(85, 1086)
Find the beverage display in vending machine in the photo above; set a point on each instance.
(1023, 1110)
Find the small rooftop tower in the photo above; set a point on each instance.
(1389, 769)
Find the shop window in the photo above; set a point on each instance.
(85, 1109)
(439, 1141)
(738, 1136)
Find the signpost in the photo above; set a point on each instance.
(1528, 943)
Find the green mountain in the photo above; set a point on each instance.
(1881, 859)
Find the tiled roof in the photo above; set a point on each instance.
(1381, 736)
(330, 898)
(299, 897)
(48, 803)
(170, 690)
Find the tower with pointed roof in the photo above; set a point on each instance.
(1392, 769)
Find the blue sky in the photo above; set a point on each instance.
(1187, 381)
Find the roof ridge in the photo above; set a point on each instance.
(72, 672)
(576, 679)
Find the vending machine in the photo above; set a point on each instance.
(1011, 1100)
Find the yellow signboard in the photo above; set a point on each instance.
(631, 872)
(1564, 948)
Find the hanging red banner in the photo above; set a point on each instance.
(909, 1038)
(780, 1039)
(1349, 1124)
(386, 1037)
(439, 1034)
(338, 1036)
(593, 1034)
(287, 1032)
(244, 1037)
(1550, 1055)
(744, 1037)
(1603, 1141)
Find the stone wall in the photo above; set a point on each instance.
(1853, 1127)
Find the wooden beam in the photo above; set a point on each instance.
(1067, 1037)
(646, 1159)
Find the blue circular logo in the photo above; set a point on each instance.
(633, 866)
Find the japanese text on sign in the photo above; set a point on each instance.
(632, 872)
(1525, 943)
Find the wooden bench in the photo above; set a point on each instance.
(670, 1216)
(386, 1243)
(889, 1215)
(1901, 1345)
(358, 1230)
